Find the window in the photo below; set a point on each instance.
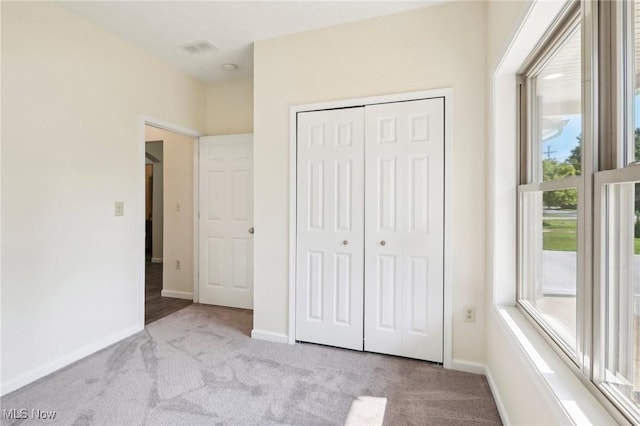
(552, 186)
(579, 195)
(617, 230)
(634, 51)
(619, 297)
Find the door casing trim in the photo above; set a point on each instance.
(447, 94)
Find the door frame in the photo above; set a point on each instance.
(144, 120)
(447, 95)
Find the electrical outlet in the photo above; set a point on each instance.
(470, 314)
(178, 207)
(177, 264)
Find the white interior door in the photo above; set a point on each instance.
(226, 221)
(330, 226)
(404, 228)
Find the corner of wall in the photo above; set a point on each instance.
(229, 107)
(269, 336)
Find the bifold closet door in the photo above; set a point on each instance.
(330, 227)
(404, 228)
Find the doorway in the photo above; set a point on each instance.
(169, 222)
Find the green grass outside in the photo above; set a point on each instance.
(560, 235)
(559, 241)
(559, 224)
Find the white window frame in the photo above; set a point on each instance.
(531, 182)
(603, 276)
(617, 165)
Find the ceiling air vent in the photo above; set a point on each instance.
(201, 46)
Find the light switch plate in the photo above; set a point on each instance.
(118, 208)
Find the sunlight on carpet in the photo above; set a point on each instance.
(366, 410)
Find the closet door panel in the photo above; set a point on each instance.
(330, 228)
(404, 223)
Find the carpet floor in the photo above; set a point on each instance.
(198, 366)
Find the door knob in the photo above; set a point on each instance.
(251, 230)
(383, 243)
(345, 242)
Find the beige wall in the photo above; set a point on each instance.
(72, 95)
(503, 20)
(441, 46)
(177, 228)
(230, 107)
(513, 377)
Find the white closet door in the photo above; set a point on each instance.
(330, 226)
(404, 204)
(226, 221)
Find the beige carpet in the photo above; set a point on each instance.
(199, 367)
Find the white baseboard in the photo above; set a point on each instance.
(40, 372)
(156, 260)
(269, 336)
(477, 368)
(496, 397)
(177, 294)
(468, 366)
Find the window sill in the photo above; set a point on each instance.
(570, 398)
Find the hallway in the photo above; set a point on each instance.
(156, 306)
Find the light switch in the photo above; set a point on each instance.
(118, 208)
